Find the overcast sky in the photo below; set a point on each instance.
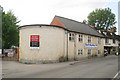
(43, 11)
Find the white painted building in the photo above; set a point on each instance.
(111, 40)
(63, 39)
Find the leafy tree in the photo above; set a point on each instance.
(9, 30)
(102, 18)
(84, 21)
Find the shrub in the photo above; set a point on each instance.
(62, 59)
(95, 55)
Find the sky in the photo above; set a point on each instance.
(43, 11)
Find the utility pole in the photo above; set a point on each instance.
(119, 18)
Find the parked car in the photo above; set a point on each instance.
(10, 54)
(117, 53)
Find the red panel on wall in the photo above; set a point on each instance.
(34, 38)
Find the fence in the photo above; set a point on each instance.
(9, 55)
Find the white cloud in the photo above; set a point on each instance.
(43, 11)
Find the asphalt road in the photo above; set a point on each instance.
(0, 68)
(94, 68)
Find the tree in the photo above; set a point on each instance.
(1, 9)
(102, 18)
(9, 30)
(84, 21)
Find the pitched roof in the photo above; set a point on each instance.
(107, 34)
(110, 35)
(76, 26)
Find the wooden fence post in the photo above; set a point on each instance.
(17, 54)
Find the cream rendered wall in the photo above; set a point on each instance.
(112, 44)
(52, 43)
(80, 45)
(75, 45)
(71, 48)
(94, 40)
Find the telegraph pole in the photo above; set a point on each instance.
(119, 18)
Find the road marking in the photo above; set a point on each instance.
(116, 75)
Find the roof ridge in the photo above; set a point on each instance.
(79, 23)
(69, 19)
(95, 30)
(72, 20)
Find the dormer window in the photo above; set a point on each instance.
(114, 41)
(99, 31)
(111, 33)
(106, 40)
(99, 40)
(104, 33)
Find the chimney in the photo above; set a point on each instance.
(84, 22)
(112, 29)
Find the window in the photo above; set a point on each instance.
(99, 31)
(80, 39)
(89, 51)
(114, 49)
(111, 33)
(106, 40)
(99, 40)
(99, 51)
(34, 41)
(114, 41)
(89, 39)
(104, 33)
(71, 37)
(80, 52)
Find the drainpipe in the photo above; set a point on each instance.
(75, 46)
(67, 46)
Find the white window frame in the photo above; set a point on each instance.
(71, 36)
(80, 38)
(114, 42)
(99, 40)
(111, 33)
(99, 52)
(99, 31)
(80, 51)
(89, 39)
(89, 51)
(114, 49)
(104, 33)
(106, 40)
